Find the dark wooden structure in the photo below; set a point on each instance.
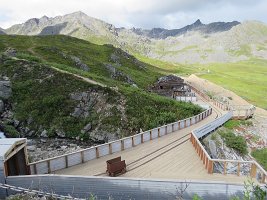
(116, 166)
(171, 86)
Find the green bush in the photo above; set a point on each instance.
(238, 143)
(261, 156)
(10, 131)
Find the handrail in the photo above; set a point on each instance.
(108, 146)
(209, 162)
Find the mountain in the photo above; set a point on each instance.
(160, 33)
(2, 31)
(195, 43)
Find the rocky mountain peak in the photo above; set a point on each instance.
(197, 23)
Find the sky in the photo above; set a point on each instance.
(137, 13)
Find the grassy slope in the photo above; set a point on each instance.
(247, 79)
(48, 101)
(260, 155)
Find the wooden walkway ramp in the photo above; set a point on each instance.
(169, 157)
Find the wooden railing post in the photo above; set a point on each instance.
(132, 142)
(122, 145)
(82, 156)
(66, 161)
(142, 138)
(97, 152)
(224, 167)
(253, 170)
(158, 132)
(210, 167)
(238, 169)
(48, 166)
(110, 148)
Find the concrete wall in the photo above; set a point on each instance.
(124, 188)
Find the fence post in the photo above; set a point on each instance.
(110, 148)
(142, 138)
(158, 132)
(132, 142)
(122, 145)
(253, 170)
(150, 134)
(210, 167)
(97, 152)
(82, 156)
(48, 166)
(224, 167)
(238, 169)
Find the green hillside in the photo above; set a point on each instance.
(45, 101)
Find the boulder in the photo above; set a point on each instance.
(87, 128)
(44, 134)
(2, 106)
(60, 133)
(5, 89)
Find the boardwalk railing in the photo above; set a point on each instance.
(239, 111)
(75, 158)
(222, 166)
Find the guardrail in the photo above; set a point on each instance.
(75, 158)
(222, 166)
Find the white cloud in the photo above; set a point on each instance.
(138, 13)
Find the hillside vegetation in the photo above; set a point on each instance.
(47, 102)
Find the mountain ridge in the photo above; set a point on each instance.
(217, 42)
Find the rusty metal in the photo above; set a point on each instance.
(116, 166)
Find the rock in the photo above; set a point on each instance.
(64, 147)
(44, 134)
(31, 133)
(60, 133)
(11, 52)
(31, 148)
(43, 140)
(16, 123)
(5, 89)
(79, 63)
(2, 106)
(87, 128)
(76, 96)
(77, 112)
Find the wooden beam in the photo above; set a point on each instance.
(97, 152)
(110, 148)
(122, 145)
(82, 156)
(142, 138)
(66, 161)
(150, 132)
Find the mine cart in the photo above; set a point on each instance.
(116, 166)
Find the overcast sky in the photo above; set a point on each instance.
(137, 13)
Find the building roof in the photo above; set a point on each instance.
(7, 145)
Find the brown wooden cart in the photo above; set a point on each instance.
(116, 166)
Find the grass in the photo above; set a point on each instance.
(247, 79)
(261, 156)
(43, 94)
(232, 124)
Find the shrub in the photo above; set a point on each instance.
(238, 143)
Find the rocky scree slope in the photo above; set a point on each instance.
(39, 101)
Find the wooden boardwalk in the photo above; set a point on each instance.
(170, 157)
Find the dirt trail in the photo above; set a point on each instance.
(219, 91)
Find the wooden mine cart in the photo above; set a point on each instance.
(116, 166)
